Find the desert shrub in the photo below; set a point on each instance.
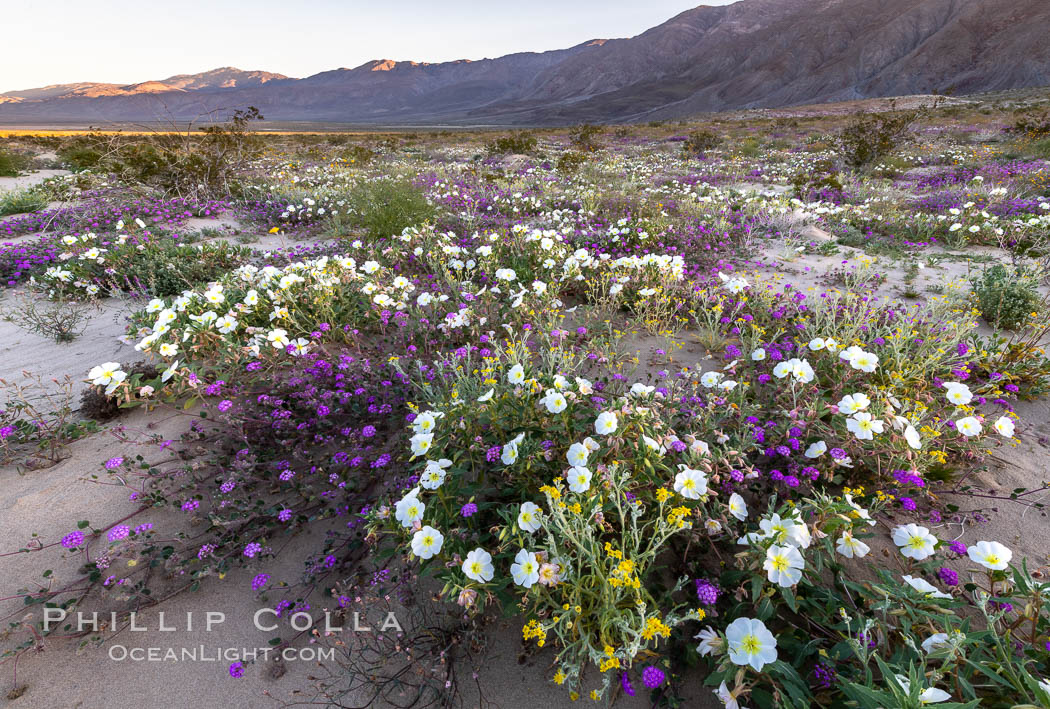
(21, 201)
(585, 137)
(60, 319)
(387, 206)
(187, 164)
(749, 147)
(1006, 297)
(820, 177)
(520, 143)
(142, 264)
(1041, 148)
(700, 141)
(1032, 122)
(571, 161)
(357, 155)
(12, 163)
(83, 152)
(37, 420)
(870, 137)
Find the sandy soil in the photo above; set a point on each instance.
(53, 500)
(29, 179)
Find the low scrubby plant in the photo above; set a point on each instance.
(700, 141)
(868, 138)
(12, 163)
(1006, 297)
(521, 143)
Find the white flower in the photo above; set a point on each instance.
(710, 642)
(737, 507)
(852, 403)
(734, 284)
(639, 389)
(799, 369)
(788, 530)
(815, 450)
(427, 542)
(689, 483)
(990, 555)
(528, 519)
(509, 455)
(912, 437)
(605, 424)
(554, 402)
(106, 373)
(434, 473)
(864, 361)
(170, 371)
(577, 454)
(409, 509)
(935, 641)
(925, 587)
(930, 695)
(863, 426)
(915, 541)
(758, 355)
(516, 375)
(958, 393)
(478, 566)
(969, 426)
(487, 396)
(278, 338)
(751, 643)
(421, 443)
(525, 569)
(168, 350)
(579, 479)
(711, 379)
(783, 565)
(424, 422)
(729, 698)
(1004, 426)
(851, 547)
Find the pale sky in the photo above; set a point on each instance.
(129, 41)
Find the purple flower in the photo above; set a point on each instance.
(958, 547)
(252, 549)
(625, 680)
(119, 532)
(259, 581)
(284, 515)
(368, 431)
(190, 505)
(114, 463)
(73, 540)
(707, 592)
(948, 576)
(653, 677)
(468, 510)
(237, 670)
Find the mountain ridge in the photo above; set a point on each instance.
(750, 54)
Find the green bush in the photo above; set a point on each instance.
(870, 137)
(20, 202)
(1032, 123)
(385, 207)
(11, 163)
(1005, 297)
(358, 155)
(700, 141)
(571, 161)
(585, 137)
(520, 143)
